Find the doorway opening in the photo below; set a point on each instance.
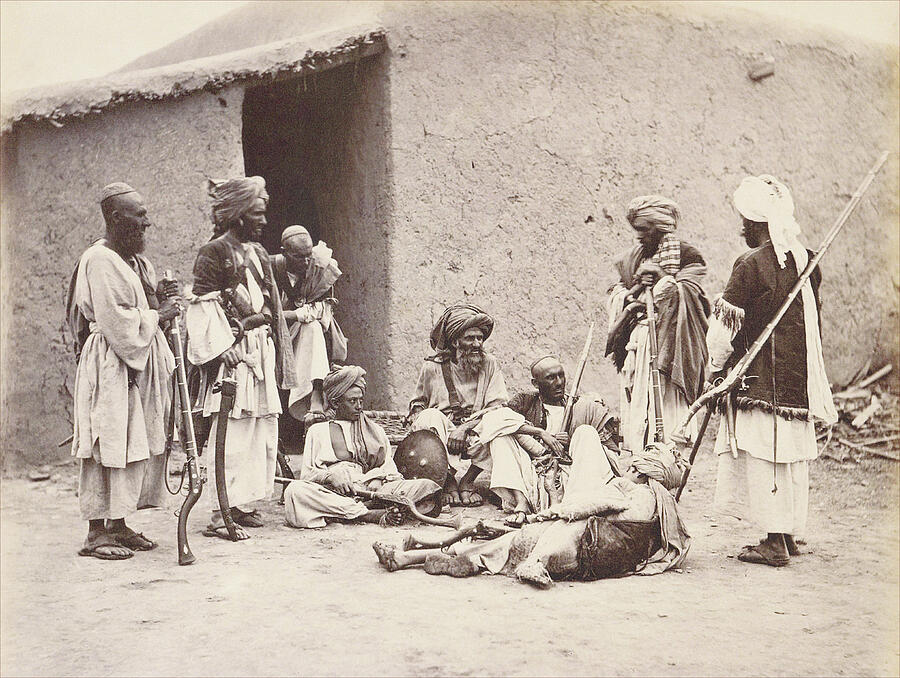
(322, 143)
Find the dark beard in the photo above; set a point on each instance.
(470, 361)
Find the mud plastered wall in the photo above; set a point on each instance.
(520, 133)
(52, 180)
(352, 191)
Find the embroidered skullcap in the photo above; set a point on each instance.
(291, 231)
(232, 198)
(765, 199)
(115, 188)
(664, 213)
(342, 379)
(660, 462)
(455, 321)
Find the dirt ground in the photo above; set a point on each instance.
(316, 602)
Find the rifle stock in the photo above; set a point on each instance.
(188, 441)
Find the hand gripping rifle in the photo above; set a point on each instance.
(740, 369)
(188, 441)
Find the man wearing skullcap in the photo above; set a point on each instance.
(766, 479)
(305, 277)
(456, 385)
(349, 452)
(116, 312)
(236, 329)
(607, 525)
(674, 270)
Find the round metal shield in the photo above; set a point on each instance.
(421, 454)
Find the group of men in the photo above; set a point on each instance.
(550, 457)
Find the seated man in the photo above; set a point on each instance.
(606, 526)
(455, 386)
(348, 454)
(539, 414)
(305, 276)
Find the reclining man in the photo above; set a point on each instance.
(455, 386)
(606, 526)
(536, 420)
(305, 276)
(345, 455)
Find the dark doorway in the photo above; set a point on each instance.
(279, 147)
(322, 142)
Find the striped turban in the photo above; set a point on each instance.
(342, 379)
(664, 213)
(454, 322)
(660, 462)
(232, 198)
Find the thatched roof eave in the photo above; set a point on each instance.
(287, 58)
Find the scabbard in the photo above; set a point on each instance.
(227, 390)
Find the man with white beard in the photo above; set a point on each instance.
(455, 386)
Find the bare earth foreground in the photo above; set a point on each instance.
(316, 602)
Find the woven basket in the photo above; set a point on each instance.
(391, 422)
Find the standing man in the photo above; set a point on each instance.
(234, 288)
(305, 276)
(122, 379)
(785, 387)
(455, 385)
(674, 270)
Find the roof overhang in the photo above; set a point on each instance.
(276, 60)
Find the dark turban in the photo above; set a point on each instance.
(342, 379)
(658, 209)
(454, 322)
(232, 198)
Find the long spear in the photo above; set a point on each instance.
(744, 363)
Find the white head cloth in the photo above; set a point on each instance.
(765, 199)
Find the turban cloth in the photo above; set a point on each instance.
(232, 198)
(664, 213)
(454, 322)
(764, 199)
(660, 462)
(342, 379)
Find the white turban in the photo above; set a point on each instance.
(767, 200)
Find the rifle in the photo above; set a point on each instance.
(396, 500)
(188, 441)
(579, 373)
(655, 381)
(740, 369)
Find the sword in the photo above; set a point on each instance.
(227, 388)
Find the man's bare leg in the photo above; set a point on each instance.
(520, 508)
(507, 500)
(394, 559)
(451, 489)
(467, 494)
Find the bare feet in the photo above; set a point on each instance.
(451, 492)
(102, 545)
(386, 556)
(216, 528)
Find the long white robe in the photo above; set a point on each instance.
(251, 440)
(307, 502)
(121, 387)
